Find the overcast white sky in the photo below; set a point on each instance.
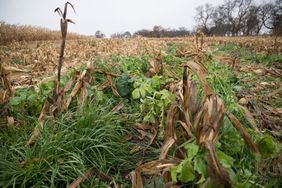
(109, 16)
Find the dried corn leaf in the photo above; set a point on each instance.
(176, 88)
(104, 85)
(151, 168)
(171, 122)
(113, 86)
(136, 179)
(209, 119)
(75, 90)
(275, 92)
(155, 68)
(119, 106)
(185, 89)
(70, 82)
(58, 104)
(82, 95)
(146, 130)
(105, 72)
(272, 110)
(6, 84)
(170, 72)
(168, 143)
(185, 127)
(216, 172)
(143, 134)
(10, 121)
(15, 69)
(154, 167)
(193, 104)
(201, 72)
(80, 86)
(92, 171)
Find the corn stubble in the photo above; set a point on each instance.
(201, 120)
(5, 94)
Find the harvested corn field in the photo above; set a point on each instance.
(160, 95)
(138, 112)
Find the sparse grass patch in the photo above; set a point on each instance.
(17, 61)
(268, 59)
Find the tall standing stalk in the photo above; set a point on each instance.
(64, 28)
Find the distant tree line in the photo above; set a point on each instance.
(232, 18)
(159, 31)
(126, 34)
(240, 17)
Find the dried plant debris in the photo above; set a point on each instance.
(94, 171)
(5, 94)
(200, 120)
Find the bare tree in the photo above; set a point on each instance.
(264, 15)
(275, 21)
(252, 22)
(204, 17)
(158, 31)
(219, 21)
(236, 12)
(240, 17)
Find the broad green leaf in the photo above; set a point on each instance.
(150, 89)
(192, 150)
(225, 160)
(136, 84)
(231, 141)
(149, 118)
(124, 85)
(187, 172)
(142, 91)
(267, 146)
(15, 101)
(136, 94)
(201, 168)
(156, 82)
(31, 98)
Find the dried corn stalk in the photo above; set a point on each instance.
(64, 29)
(5, 94)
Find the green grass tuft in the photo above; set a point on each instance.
(66, 149)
